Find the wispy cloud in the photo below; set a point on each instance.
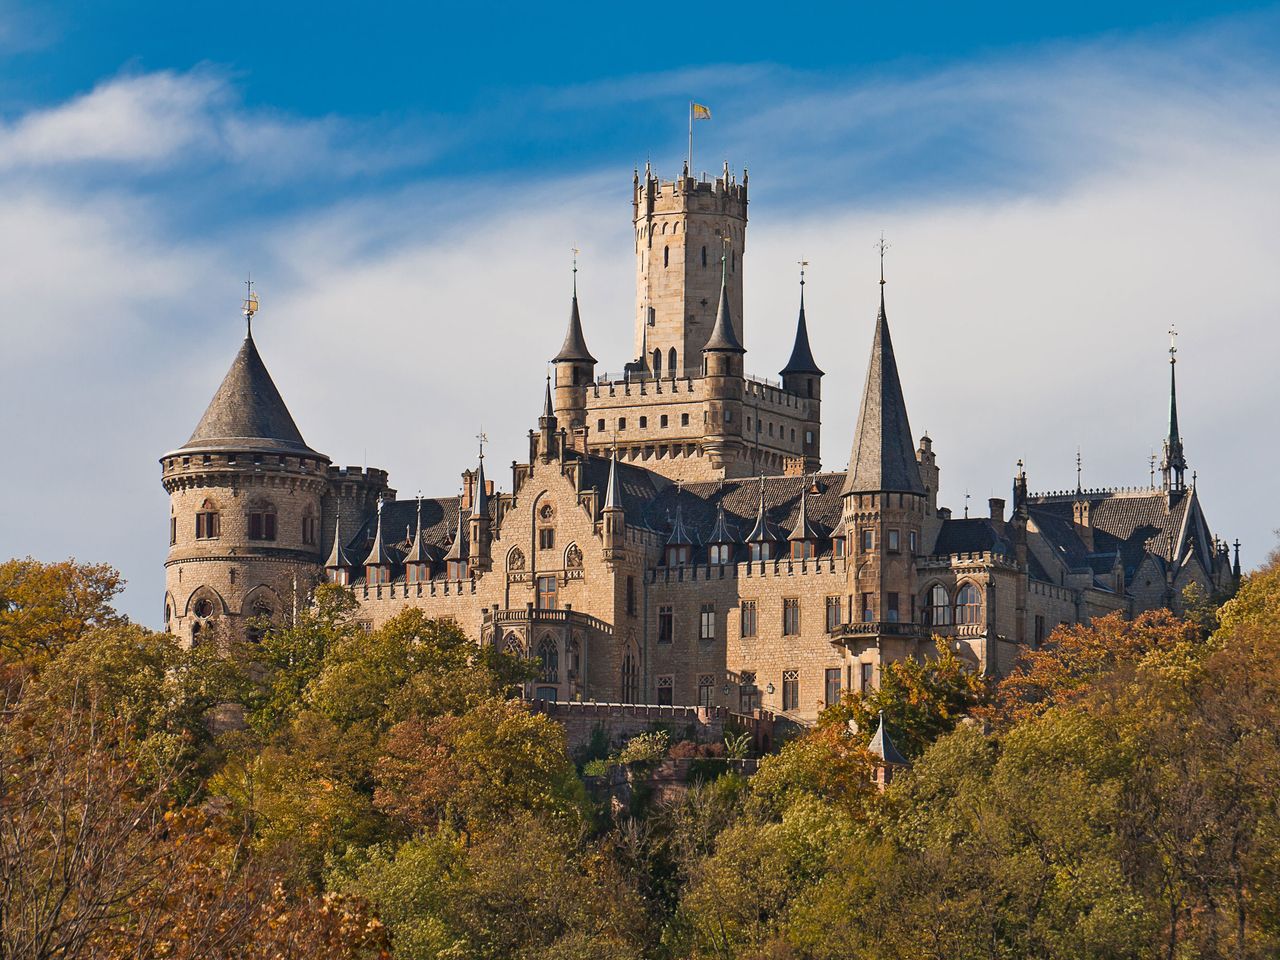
(1052, 216)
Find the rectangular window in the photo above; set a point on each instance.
(631, 596)
(1039, 630)
(868, 541)
(832, 686)
(208, 526)
(707, 622)
(600, 426)
(173, 530)
(706, 690)
(892, 613)
(748, 693)
(790, 617)
(893, 541)
(748, 618)
(622, 423)
(644, 422)
(833, 614)
(866, 672)
(546, 538)
(868, 614)
(911, 541)
(684, 419)
(309, 530)
(546, 593)
(662, 421)
(666, 688)
(666, 624)
(790, 689)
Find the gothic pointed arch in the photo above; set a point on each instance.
(549, 659)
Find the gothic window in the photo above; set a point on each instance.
(168, 614)
(790, 689)
(630, 678)
(832, 686)
(937, 606)
(549, 658)
(513, 647)
(704, 258)
(203, 608)
(262, 521)
(721, 553)
(748, 614)
(666, 690)
(833, 614)
(666, 253)
(748, 693)
(707, 622)
(706, 690)
(968, 605)
(257, 627)
(547, 593)
(790, 617)
(761, 551)
(671, 362)
(309, 529)
(208, 522)
(657, 363)
(173, 529)
(631, 596)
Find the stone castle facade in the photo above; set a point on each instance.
(671, 537)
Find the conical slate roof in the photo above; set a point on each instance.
(378, 555)
(882, 747)
(575, 344)
(247, 412)
(883, 457)
(801, 356)
(723, 337)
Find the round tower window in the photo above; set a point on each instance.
(203, 608)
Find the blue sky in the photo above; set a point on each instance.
(1060, 183)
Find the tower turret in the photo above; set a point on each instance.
(612, 518)
(803, 377)
(682, 228)
(722, 369)
(480, 524)
(575, 370)
(245, 508)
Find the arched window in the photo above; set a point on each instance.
(208, 522)
(262, 520)
(704, 257)
(549, 658)
(671, 362)
(968, 605)
(168, 614)
(937, 606)
(513, 647)
(733, 260)
(657, 363)
(257, 627)
(630, 679)
(666, 256)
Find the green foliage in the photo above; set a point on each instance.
(737, 746)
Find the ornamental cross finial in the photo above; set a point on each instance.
(1173, 344)
(882, 245)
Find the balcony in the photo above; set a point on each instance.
(529, 615)
(877, 628)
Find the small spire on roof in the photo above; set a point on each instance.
(763, 531)
(679, 535)
(417, 550)
(722, 532)
(378, 555)
(881, 746)
(480, 502)
(574, 347)
(802, 361)
(338, 556)
(723, 336)
(455, 549)
(803, 530)
(612, 498)
(548, 408)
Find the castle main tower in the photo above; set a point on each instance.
(245, 498)
(683, 228)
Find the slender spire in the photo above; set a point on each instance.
(338, 555)
(1079, 468)
(679, 535)
(456, 551)
(801, 361)
(548, 408)
(883, 456)
(1235, 567)
(882, 747)
(723, 337)
(480, 502)
(378, 555)
(722, 532)
(612, 498)
(417, 550)
(1174, 465)
(574, 347)
(763, 531)
(803, 530)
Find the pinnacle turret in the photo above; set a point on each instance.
(801, 361)
(723, 337)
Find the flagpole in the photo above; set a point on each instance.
(690, 138)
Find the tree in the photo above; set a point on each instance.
(46, 606)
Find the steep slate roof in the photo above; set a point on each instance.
(801, 356)
(883, 455)
(701, 502)
(575, 344)
(882, 747)
(247, 412)
(970, 535)
(723, 337)
(439, 523)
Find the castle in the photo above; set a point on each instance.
(671, 537)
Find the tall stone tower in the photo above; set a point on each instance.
(245, 496)
(884, 510)
(683, 228)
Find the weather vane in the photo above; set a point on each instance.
(803, 264)
(250, 306)
(483, 438)
(1173, 344)
(882, 245)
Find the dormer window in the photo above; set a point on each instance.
(340, 575)
(761, 551)
(801, 549)
(837, 546)
(677, 554)
(375, 574)
(721, 553)
(415, 572)
(457, 570)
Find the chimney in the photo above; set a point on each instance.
(468, 489)
(997, 511)
(944, 513)
(1080, 514)
(793, 467)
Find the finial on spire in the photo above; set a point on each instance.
(882, 245)
(966, 504)
(575, 271)
(1173, 343)
(1153, 469)
(483, 438)
(803, 264)
(1079, 462)
(250, 306)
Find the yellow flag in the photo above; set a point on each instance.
(700, 112)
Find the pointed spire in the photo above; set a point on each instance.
(723, 337)
(574, 347)
(722, 532)
(883, 456)
(763, 531)
(480, 501)
(612, 498)
(378, 555)
(456, 551)
(881, 746)
(679, 535)
(803, 529)
(1235, 567)
(338, 555)
(1174, 465)
(801, 361)
(417, 550)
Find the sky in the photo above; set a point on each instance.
(406, 182)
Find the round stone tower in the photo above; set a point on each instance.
(245, 521)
